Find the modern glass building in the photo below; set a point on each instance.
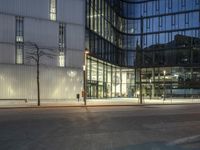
(137, 47)
(154, 44)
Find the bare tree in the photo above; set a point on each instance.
(35, 53)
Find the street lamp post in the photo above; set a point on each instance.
(150, 94)
(86, 52)
(140, 58)
(164, 72)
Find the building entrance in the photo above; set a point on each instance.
(92, 90)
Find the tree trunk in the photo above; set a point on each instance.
(38, 83)
(38, 75)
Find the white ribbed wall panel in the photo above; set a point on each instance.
(75, 37)
(17, 82)
(74, 58)
(44, 33)
(71, 11)
(7, 28)
(31, 8)
(44, 60)
(7, 53)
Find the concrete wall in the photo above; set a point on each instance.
(7, 53)
(7, 28)
(33, 8)
(45, 34)
(71, 11)
(7, 35)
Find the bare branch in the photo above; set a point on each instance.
(49, 56)
(49, 49)
(37, 52)
(31, 57)
(31, 53)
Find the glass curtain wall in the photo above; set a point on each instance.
(104, 33)
(163, 32)
(169, 42)
(106, 80)
(171, 82)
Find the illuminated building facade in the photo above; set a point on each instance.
(153, 44)
(53, 25)
(160, 37)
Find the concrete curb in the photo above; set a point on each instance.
(79, 106)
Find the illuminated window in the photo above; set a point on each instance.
(19, 53)
(53, 10)
(62, 43)
(19, 39)
(62, 59)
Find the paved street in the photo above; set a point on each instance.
(175, 127)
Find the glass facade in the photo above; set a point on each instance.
(107, 80)
(155, 35)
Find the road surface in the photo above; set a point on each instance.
(175, 127)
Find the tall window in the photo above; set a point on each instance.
(160, 21)
(183, 3)
(173, 21)
(19, 39)
(187, 18)
(53, 9)
(169, 4)
(62, 43)
(148, 22)
(157, 5)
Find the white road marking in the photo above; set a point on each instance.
(184, 140)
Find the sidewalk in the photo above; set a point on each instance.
(96, 102)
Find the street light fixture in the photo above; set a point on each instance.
(86, 52)
(164, 72)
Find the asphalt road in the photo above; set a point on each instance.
(175, 127)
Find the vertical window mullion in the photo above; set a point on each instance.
(187, 18)
(169, 4)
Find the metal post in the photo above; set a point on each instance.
(140, 71)
(164, 72)
(84, 86)
(150, 93)
(86, 52)
(140, 58)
